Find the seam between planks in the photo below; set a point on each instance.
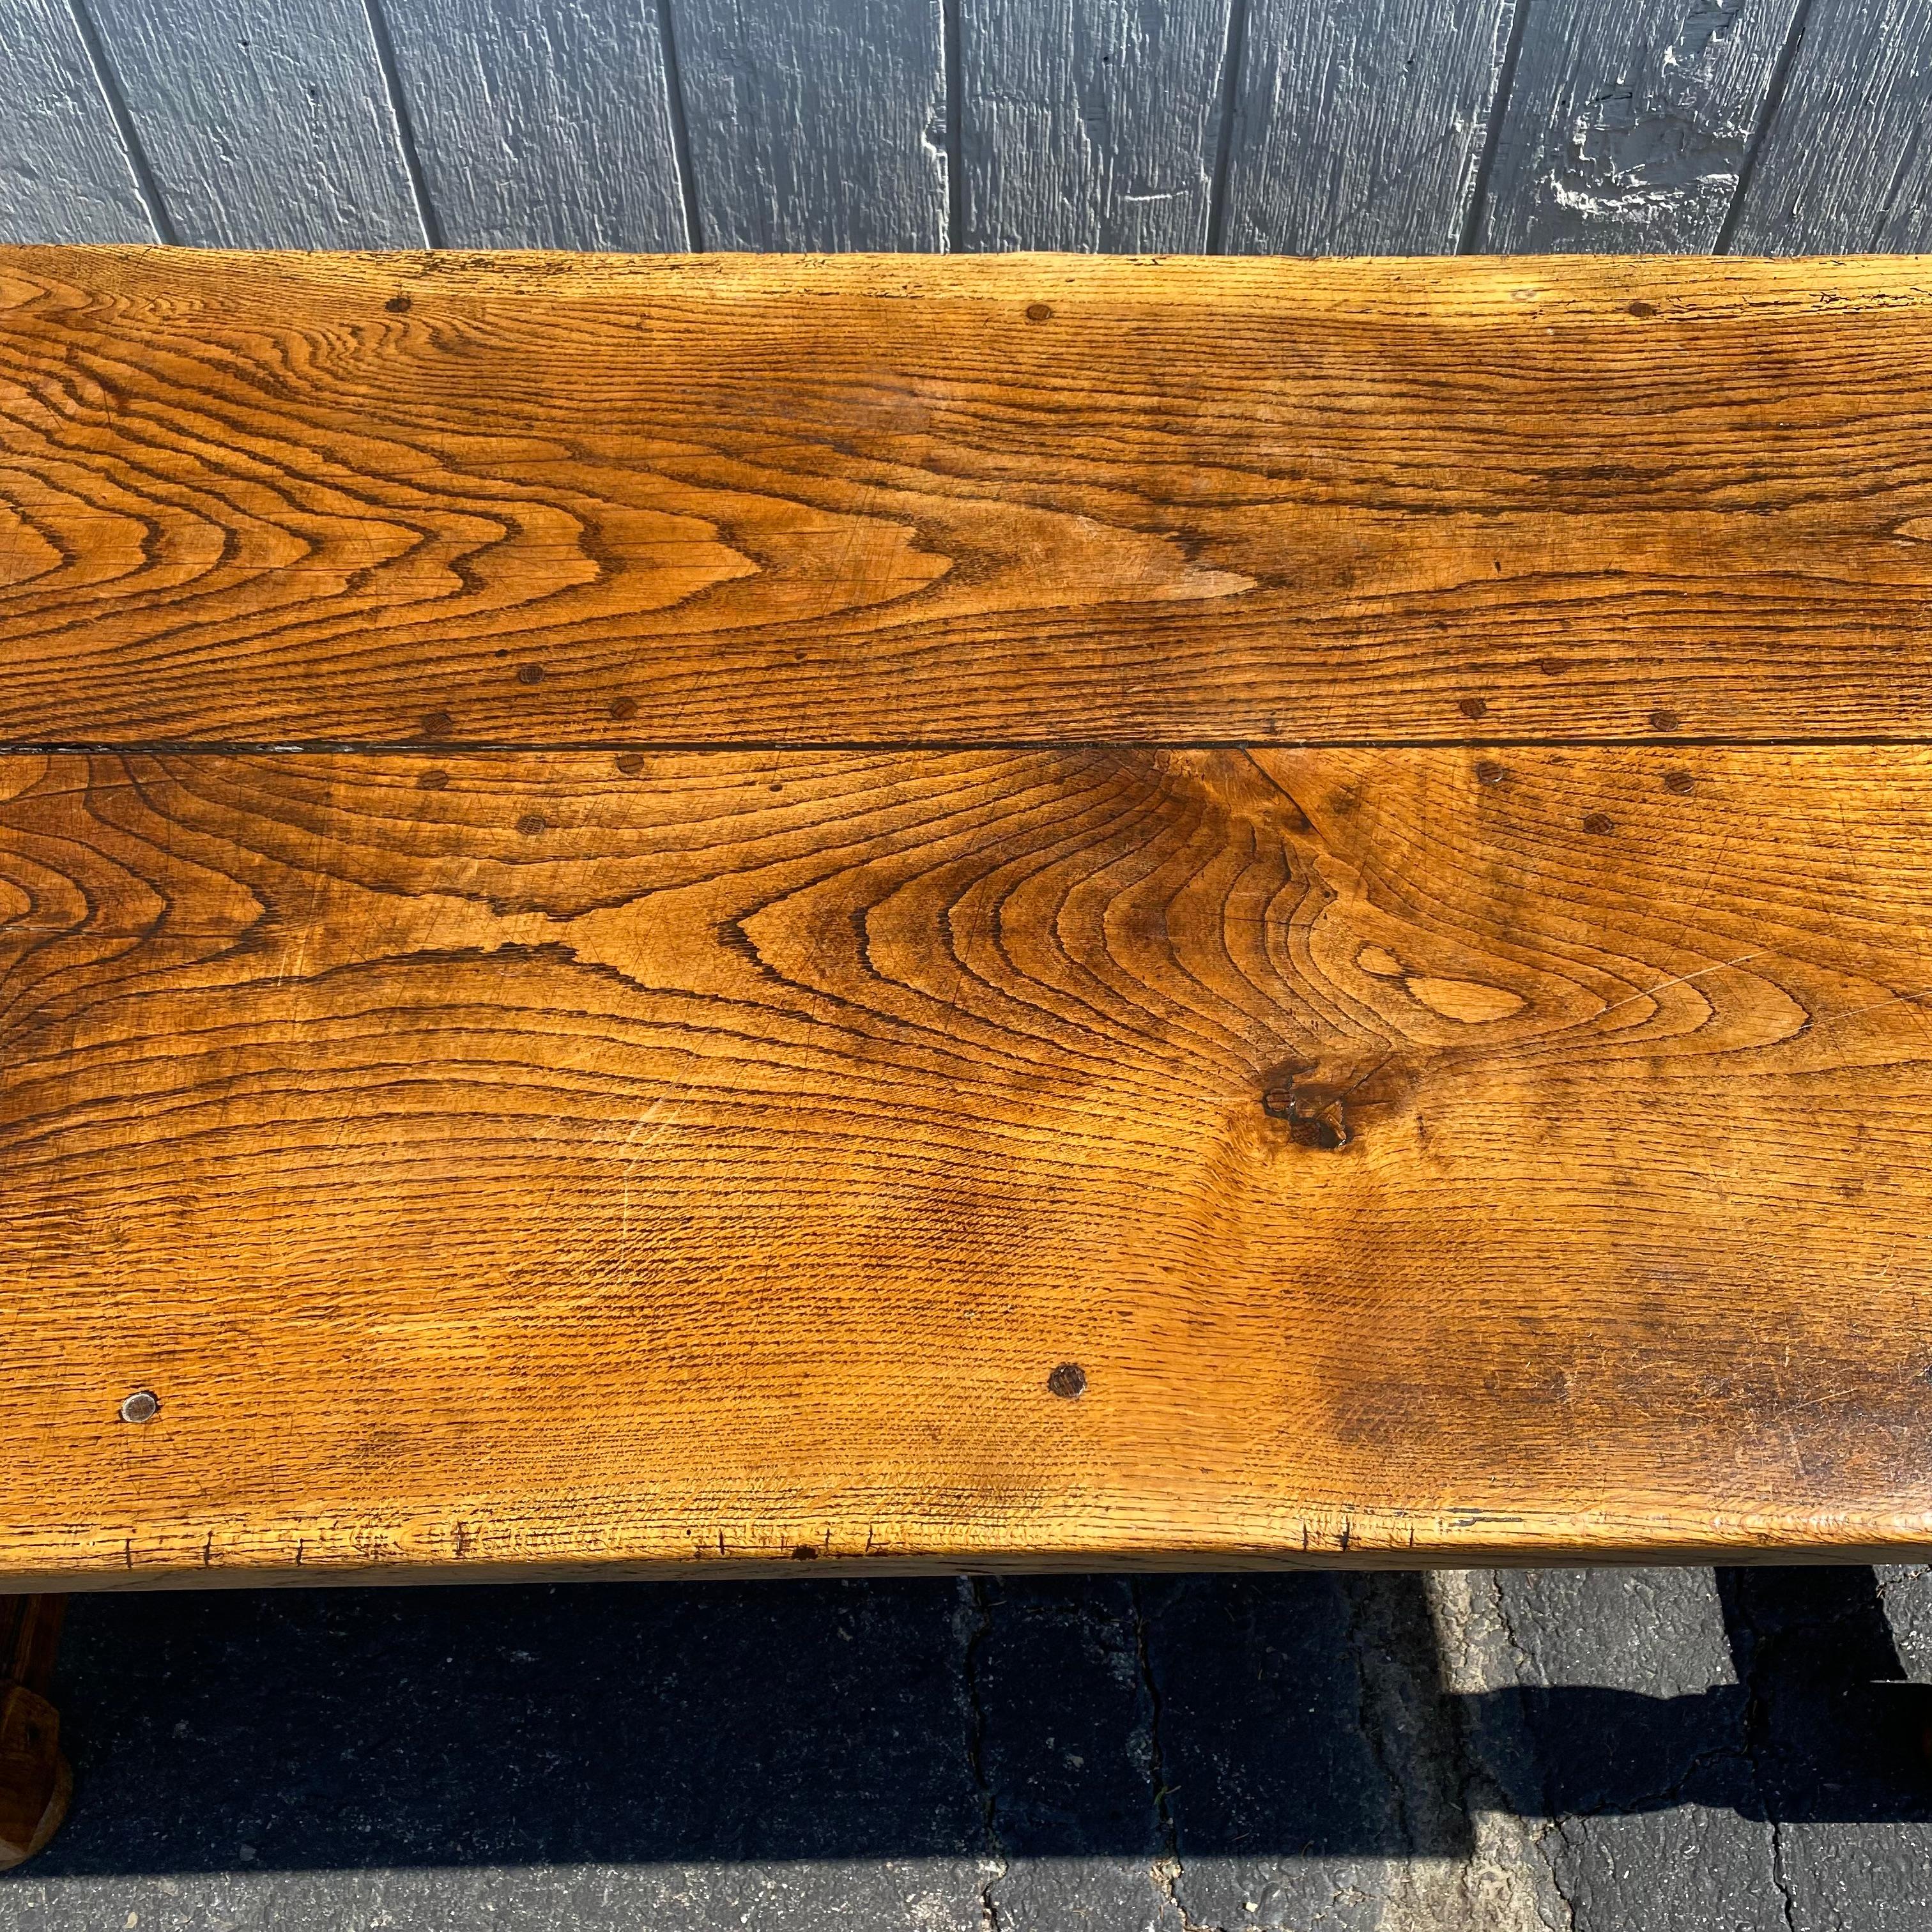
(404, 126)
(115, 101)
(1775, 89)
(453, 747)
(1234, 59)
(680, 131)
(1471, 230)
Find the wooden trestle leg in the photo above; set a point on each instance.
(35, 1783)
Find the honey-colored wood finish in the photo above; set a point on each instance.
(680, 914)
(1000, 1156)
(551, 500)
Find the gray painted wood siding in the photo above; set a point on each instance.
(1846, 165)
(65, 174)
(541, 123)
(816, 124)
(1626, 125)
(1315, 126)
(1359, 124)
(1091, 125)
(266, 122)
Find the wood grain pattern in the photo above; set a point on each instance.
(1092, 1155)
(535, 499)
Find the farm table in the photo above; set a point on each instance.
(671, 916)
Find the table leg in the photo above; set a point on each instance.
(35, 1783)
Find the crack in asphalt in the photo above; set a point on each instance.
(1540, 1834)
(1373, 1720)
(975, 1623)
(1166, 1870)
(1751, 1674)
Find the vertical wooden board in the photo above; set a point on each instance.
(542, 124)
(1844, 167)
(1357, 124)
(816, 125)
(1627, 124)
(1091, 125)
(64, 175)
(268, 125)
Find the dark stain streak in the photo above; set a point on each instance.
(1312, 1112)
(1295, 819)
(730, 934)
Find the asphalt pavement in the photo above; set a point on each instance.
(1582, 1750)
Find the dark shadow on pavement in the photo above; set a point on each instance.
(1068, 1716)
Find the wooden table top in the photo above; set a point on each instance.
(665, 914)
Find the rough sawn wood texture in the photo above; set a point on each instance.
(1278, 127)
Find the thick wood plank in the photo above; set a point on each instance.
(815, 124)
(1091, 125)
(266, 122)
(1844, 165)
(542, 125)
(1358, 126)
(1627, 126)
(1000, 1155)
(64, 173)
(531, 499)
